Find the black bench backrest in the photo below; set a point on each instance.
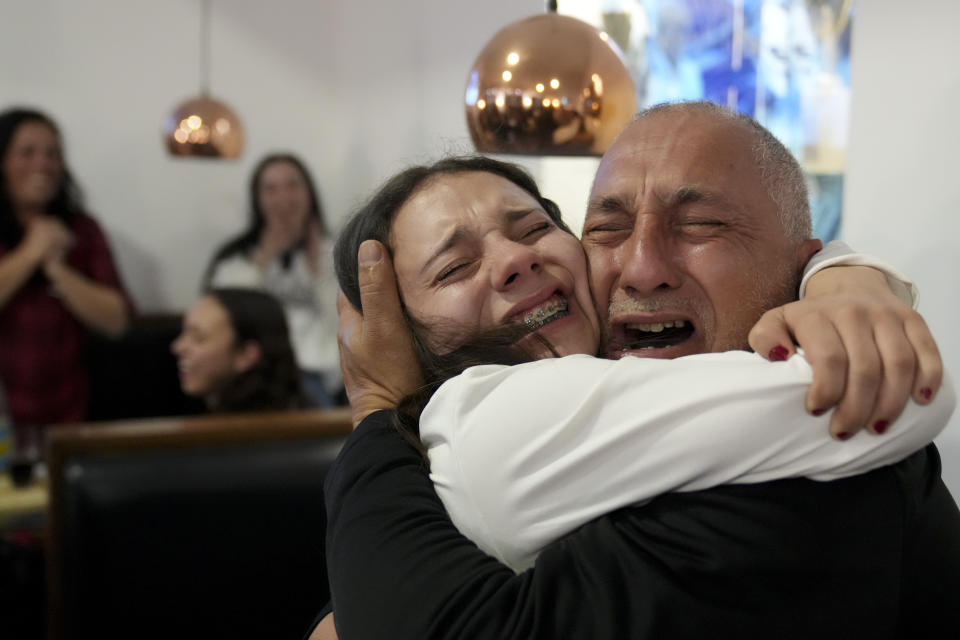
(198, 527)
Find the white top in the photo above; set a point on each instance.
(837, 253)
(522, 455)
(310, 304)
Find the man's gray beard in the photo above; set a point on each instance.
(766, 292)
(661, 302)
(692, 307)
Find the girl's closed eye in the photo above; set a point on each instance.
(538, 228)
(450, 271)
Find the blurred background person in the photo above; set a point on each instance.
(57, 276)
(286, 251)
(235, 353)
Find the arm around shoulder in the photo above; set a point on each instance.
(523, 455)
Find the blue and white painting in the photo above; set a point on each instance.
(784, 62)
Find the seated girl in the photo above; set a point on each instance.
(235, 353)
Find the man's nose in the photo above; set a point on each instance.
(649, 262)
(513, 261)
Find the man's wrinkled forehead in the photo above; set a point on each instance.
(664, 152)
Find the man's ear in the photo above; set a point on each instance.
(247, 356)
(805, 251)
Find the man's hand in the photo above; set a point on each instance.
(869, 350)
(377, 354)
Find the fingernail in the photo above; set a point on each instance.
(370, 253)
(843, 435)
(778, 353)
(880, 426)
(926, 393)
(818, 412)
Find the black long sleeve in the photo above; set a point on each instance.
(787, 559)
(399, 568)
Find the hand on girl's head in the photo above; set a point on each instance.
(377, 353)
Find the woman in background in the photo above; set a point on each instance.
(57, 276)
(285, 251)
(235, 353)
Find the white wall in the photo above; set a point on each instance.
(361, 88)
(903, 190)
(358, 88)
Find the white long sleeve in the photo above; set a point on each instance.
(836, 254)
(523, 455)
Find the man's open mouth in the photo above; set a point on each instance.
(553, 308)
(655, 335)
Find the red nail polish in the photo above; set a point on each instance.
(880, 426)
(778, 353)
(818, 412)
(843, 435)
(926, 393)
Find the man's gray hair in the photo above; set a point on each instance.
(780, 172)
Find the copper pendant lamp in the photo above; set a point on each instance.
(203, 126)
(549, 85)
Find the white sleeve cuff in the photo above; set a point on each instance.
(837, 253)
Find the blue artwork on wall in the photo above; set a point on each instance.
(784, 62)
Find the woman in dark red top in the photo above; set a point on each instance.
(57, 277)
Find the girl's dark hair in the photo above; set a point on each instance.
(373, 221)
(274, 381)
(249, 238)
(65, 204)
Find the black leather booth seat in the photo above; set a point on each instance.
(206, 527)
(135, 375)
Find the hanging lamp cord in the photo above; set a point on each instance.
(205, 47)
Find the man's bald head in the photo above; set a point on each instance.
(780, 173)
(697, 223)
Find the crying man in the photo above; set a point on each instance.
(697, 223)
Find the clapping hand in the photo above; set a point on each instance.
(48, 239)
(277, 238)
